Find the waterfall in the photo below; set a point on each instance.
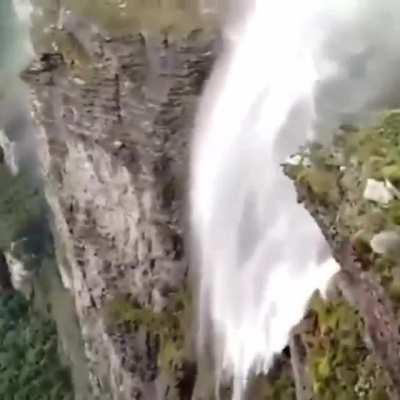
(289, 73)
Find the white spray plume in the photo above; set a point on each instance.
(288, 68)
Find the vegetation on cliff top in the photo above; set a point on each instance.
(357, 182)
(358, 179)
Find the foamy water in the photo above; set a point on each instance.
(259, 256)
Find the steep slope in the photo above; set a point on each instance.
(115, 108)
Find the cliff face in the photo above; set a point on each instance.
(115, 111)
(352, 191)
(114, 89)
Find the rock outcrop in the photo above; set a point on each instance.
(353, 340)
(114, 111)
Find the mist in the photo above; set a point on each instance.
(289, 73)
(16, 53)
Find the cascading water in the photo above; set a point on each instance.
(258, 255)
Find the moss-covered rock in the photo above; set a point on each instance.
(353, 180)
(170, 326)
(352, 191)
(339, 362)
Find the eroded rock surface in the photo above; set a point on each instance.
(115, 114)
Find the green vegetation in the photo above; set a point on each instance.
(341, 366)
(30, 367)
(29, 364)
(21, 207)
(339, 179)
(171, 325)
(24, 229)
(356, 182)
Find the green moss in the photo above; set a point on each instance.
(340, 364)
(337, 177)
(23, 225)
(322, 182)
(170, 326)
(173, 327)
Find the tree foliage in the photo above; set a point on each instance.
(22, 214)
(29, 365)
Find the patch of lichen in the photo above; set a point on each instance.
(171, 326)
(340, 365)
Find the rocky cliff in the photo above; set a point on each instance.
(113, 91)
(114, 88)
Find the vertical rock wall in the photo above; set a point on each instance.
(114, 112)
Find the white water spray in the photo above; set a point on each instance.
(259, 255)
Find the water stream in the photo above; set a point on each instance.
(290, 72)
